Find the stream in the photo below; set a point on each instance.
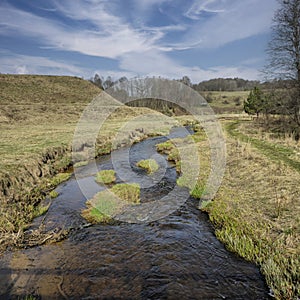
(176, 257)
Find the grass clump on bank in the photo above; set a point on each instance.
(108, 203)
(53, 194)
(150, 165)
(196, 191)
(59, 178)
(81, 164)
(106, 176)
(40, 210)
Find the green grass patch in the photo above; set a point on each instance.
(170, 149)
(165, 147)
(129, 192)
(53, 194)
(199, 137)
(106, 204)
(273, 151)
(196, 191)
(40, 210)
(252, 241)
(101, 208)
(59, 178)
(150, 165)
(81, 164)
(106, 176)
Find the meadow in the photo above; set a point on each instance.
(255, 212)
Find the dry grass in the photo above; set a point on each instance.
(256, 214)
(226, 102)
(106, 176)
(38, 116)
(150, 165)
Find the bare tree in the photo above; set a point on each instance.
(284, 53)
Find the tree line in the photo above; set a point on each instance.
(280, 94)
(217, 84)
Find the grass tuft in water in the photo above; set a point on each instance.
(106, 176)
(129, 192)
(106, 204)
(150, 165)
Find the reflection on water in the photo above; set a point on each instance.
(177, 257)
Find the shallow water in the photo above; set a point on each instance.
(176, 257)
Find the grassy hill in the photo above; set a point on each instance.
(226, 102)
(38, 112)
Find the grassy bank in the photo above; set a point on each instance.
(256, 211)
(38, 116)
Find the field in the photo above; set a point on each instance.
(255, 212)
(226, 102)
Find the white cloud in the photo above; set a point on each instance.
(233, 20)
(22, 69)
(97, 31)
(25, 64)
(157, 64)
(146, 4)
(110, 38)
(210, 6)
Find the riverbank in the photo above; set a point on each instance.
(38, 116)
(256, 211)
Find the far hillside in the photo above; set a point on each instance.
(36, 98)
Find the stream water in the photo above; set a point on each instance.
(176, 257)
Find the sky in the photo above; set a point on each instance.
(201, 39)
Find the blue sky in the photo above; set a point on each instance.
(202, 39)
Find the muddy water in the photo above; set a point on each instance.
(177, 257)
